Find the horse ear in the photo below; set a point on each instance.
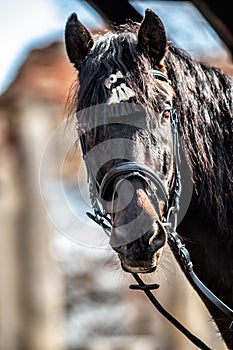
(152, 36)
(78, 39)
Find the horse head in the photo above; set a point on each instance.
(124, 108)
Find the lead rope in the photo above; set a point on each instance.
(147, 290)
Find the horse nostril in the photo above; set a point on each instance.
(157, 241)
(149, 234)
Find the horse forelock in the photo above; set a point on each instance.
(112, 52)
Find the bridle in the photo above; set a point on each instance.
(128, 170)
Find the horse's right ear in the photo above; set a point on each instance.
(152, 36)
(78, 39)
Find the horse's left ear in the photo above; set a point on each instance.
(152, 36)
(78, 39)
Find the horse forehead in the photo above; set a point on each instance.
(111, 40)
(110, 47)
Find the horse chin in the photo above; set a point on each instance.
(137, 269)
(143, 254)
(142, 266)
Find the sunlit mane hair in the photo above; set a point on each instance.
(203, 100)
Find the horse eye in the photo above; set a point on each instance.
(166, 115)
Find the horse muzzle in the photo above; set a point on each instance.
(141, 255)
(137, 233)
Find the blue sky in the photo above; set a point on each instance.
(28, 24)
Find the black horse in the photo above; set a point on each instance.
(144, 90)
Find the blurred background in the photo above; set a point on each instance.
(61, 287)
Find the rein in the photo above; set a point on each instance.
(132, 169)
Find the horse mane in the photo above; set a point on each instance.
(204, 103)
(203, 100)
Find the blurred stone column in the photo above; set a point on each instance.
(31, 286)
(9, 218)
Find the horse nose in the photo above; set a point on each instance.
(152, 240)
(125, 248)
